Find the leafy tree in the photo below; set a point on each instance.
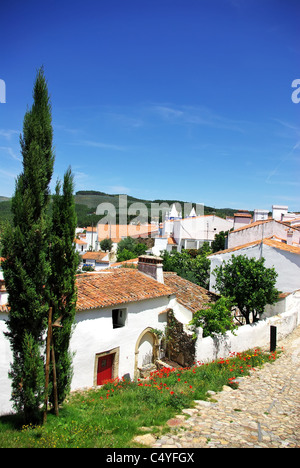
(26, 250)
(194, 269)
(125, 255)
(215, 319)
(250, 284)
(219, 241)
(106, 244)
(129, 248)
(205, 249)
(64, 263)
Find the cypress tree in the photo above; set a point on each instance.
(64, 262)
(26, 250)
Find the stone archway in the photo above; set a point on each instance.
(146, 350)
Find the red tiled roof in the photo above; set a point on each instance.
(171, 241)
(132, 261)
(116, 286)
(80, 241)
(277, 244)
(98, 256)
(188, 294)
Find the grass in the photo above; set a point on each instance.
(110, 416)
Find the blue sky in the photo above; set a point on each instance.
(160, 99)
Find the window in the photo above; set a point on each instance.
(119, 317)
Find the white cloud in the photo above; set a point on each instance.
(8, 133)
(196, 115)
(11, 152)
(98, 144)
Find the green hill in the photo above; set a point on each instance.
(86, 202)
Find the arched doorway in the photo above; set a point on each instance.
(146, 349)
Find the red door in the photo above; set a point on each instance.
(104, 371)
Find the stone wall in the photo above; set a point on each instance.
(180, 346)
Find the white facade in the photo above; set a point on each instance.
(92, 238)
(279, 211)
(260, 230)
(260, 215)
(94, 335)
(285, 319)
(163, 243)
(5, 360)
(99, 332)
(286, 262)
(192, 232)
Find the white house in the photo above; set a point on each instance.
(190, 232)
(284, 258)
(266, 228)
(92, 238)
(97, 260)
(241, 218)
(81, 245)
(3, 292)
(117, 310)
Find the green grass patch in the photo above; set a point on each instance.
(110, 416)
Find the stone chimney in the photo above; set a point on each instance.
(151, 266)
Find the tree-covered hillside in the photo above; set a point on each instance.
(86, 202)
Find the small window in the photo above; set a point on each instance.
(119, 318)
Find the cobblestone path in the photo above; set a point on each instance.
(264, 412)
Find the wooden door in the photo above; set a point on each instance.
(104, 370)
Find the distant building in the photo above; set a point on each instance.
(189, 233)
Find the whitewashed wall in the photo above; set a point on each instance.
(251, 234)
(5, 360)
(94, 334)
(202, 228)
(286, 264)
(251, 336)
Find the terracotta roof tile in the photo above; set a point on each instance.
(116, 286)
(132, 261)
(188, 294)
(4, 308)
(277, 244)
(171, 241)
(98, 256)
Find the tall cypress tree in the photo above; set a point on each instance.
(26, 249)
(64, 262)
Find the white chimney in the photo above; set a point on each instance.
(260, 215)
(278, 211)
(289, 237)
